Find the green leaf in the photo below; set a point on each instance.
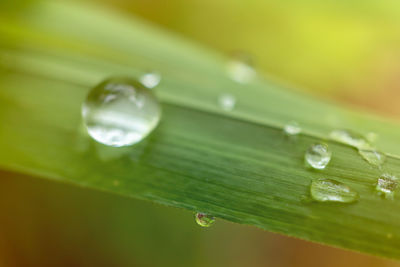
(236, 165)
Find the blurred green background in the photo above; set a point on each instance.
(347, 50)
(343, 50)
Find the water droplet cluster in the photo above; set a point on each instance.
(319, 155)
(122, 112)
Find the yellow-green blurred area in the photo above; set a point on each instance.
(344, 50)
(347, 50)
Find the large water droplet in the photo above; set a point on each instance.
(387, 185)
(120, 112)
(373, 156)
(240, 68)
(350, 138)
(328, 190)
(227, 102)
(150, 79)
(292, 128)
(318, 156)
(204, 220)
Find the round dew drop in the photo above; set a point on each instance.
(328, 190)
(292, 128)
(150, 79)
(120, 112)
(227, 102)
(240, 68)
(204, 220)
(318, 156)
(371, 137)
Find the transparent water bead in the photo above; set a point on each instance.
(318, 156)
(386, 185)
(150, 79)
(120, 112)
(373, 156)
(350, 138)
(204, 220)
(240, 68)
(227, 102)
(372, 137)
(328, 190)
(292, 128)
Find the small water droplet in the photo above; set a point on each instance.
(372, 137)
(328, 190)
(204, 220)
(386, 185)
(350, 138)
(240, 68)
(318, 156)
(150, 79)
(373, 156)
(292, 128)
(227, 102)
(120, 112)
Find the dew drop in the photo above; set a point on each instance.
(328, 190)
(292, 128)
(372, 137)
(120, 112)
(373, 156)
(386, 185)
(204, 220)
(350, 138)
(150, 79)
(318, 156)
(227, 102)
(240, 68)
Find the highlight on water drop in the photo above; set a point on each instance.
(328, 190)
(318, 156)
(204, 220)
(292, 128)
(150, 79)
(120, 112)
(227, 102)
(386, 185)
(240, 68)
